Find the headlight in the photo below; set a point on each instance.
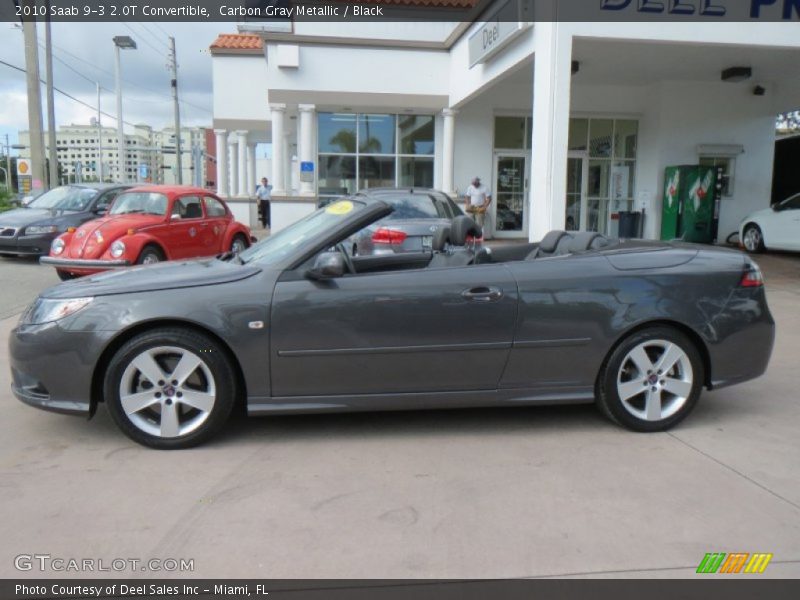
(39, 229)
(45, 310)
(57, 247)
(117, 249)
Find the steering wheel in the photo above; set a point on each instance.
(347, 260)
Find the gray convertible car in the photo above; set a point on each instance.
(296, 324)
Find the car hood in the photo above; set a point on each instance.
(20, 217)
(117, 224)
(147, 278)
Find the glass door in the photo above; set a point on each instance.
(510, 216)
(576, 206)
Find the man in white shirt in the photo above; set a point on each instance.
(476, 200)
(264, 193)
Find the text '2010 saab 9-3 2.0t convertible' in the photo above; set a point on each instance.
(297, 324)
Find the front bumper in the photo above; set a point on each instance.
(52, 368)
(32, 245)
(83, 263)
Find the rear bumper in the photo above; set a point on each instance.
(83, 263)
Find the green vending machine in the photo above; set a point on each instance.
(691, 203)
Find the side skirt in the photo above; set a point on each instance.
(418, 400)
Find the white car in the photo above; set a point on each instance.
(776, 228)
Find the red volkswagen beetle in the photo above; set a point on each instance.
(146, 225)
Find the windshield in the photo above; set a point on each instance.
(149, 203)
(314, 226)
(65, 198)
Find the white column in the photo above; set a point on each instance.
(252, 177)
(221, 152)
(306, 146)
(448, 149)
(551, 106)
(234, 170)
(278, 178)
(243, 186)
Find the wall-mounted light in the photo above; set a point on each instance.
(736, 74)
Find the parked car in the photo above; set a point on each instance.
(31, 229)
(146, 225)
(775, 228)
(297, 324)
(417, 215)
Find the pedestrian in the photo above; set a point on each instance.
(476, 200)
(264, 193)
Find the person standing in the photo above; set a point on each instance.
(264, 193)
(476, 201)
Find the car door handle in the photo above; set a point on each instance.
(483, 294)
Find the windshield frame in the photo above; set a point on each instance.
(71, 191)
(335, 231)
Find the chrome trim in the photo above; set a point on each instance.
(83, 263)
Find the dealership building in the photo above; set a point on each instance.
(568, 123)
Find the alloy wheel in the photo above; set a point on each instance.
(655, 380)
(752, 239)
(167, 391)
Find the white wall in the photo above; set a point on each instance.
(240, 87)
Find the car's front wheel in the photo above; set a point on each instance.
(150, 255)
(651, 380)
(239, 243)
(753, 239)
(170, 388)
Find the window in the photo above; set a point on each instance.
(187, 207)
(214, 207)
(726, 163)
(611, 145)
(416, 206)
(792, 203)
(358, 151)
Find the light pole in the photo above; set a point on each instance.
(121, 42)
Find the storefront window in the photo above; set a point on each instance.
(416, 134)
(376, 134)
(360, 151)
(611, 145)
(509, 132)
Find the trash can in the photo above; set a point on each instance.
(629, 221)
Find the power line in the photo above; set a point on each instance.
(70, 96)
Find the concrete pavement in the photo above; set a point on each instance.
(537, 492)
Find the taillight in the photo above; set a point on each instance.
(384, 235)
(752, 277)
(472, 240)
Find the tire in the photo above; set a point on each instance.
(753, 239)
(239, 243)
(150, 255)
(665, 398)
(65, 275)
(199, 403)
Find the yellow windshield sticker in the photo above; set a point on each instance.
(340, 208)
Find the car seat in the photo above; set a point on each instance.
(193, 211)
(450, 243)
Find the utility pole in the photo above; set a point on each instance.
(121, 42)
(51, 109)
(8, 166)
(34, 102)
(173, 63)
(99, 138)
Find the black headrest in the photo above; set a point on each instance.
(463, 227)
(193, 211)
(441, 239)
(550, 240)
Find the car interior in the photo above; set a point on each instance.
(453, 246)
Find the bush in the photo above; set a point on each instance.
(5, 200)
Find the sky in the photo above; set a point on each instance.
(84, 53)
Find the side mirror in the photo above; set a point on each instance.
(101, 209)
(329, 265)
(776, 207)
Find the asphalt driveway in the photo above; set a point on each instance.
(531, 492)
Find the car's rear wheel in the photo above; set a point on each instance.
(150, 255)
(753, 239)
(65, 275)
(651, 380)
(239, 243)
(170, 388)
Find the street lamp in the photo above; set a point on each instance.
(121, 42)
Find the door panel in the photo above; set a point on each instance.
(402, 331)
(187, 237)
